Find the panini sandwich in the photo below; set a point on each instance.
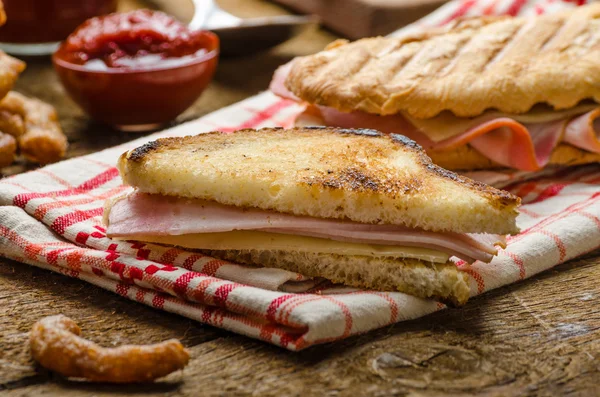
(488, 92)
(356, 207)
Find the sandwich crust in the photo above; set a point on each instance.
(466, 158)
(441, 281)
(360, 175)
(504, 63)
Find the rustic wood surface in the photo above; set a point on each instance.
(538, 337)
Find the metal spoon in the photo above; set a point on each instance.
(241, 36)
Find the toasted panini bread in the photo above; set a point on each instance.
(467, 158)
(509, 64)
(360, 175)
(442, 281)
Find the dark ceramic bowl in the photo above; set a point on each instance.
(138, 99)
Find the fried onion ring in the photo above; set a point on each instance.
(42, 140)
(55, 344)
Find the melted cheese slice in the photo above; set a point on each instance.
(246, 240)
(446, 125)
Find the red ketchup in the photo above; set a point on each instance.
(137, 68)
(139, 39)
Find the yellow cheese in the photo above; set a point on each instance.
(244, 240)
(447, 125)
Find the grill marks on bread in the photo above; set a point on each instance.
(504, 63)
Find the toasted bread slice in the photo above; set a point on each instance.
(361, 175)
(466, 158)
(509, 64)
(442, 281)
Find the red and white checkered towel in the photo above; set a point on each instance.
(51, 218)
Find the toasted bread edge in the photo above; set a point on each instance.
(441, 281)
(497, 198)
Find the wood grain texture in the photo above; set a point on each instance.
(540, 337)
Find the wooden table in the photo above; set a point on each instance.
(539, 337)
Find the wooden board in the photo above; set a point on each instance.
(538, 337)
(363, 18)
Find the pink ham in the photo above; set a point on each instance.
(524, 146)
(583, 131)
(145, 214)
(277, 85)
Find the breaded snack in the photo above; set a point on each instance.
(11, 123)
(38, 132)
(55, 343)
(8, 149)
(10, 69)
(2, 14)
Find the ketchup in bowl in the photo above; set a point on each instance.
(136, 70)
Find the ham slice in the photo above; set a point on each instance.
(526, 147)
(140, 214)
(277, 85)
(524, 142)
(583, 131)
(510, 143)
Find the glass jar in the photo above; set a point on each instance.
(35, 27)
